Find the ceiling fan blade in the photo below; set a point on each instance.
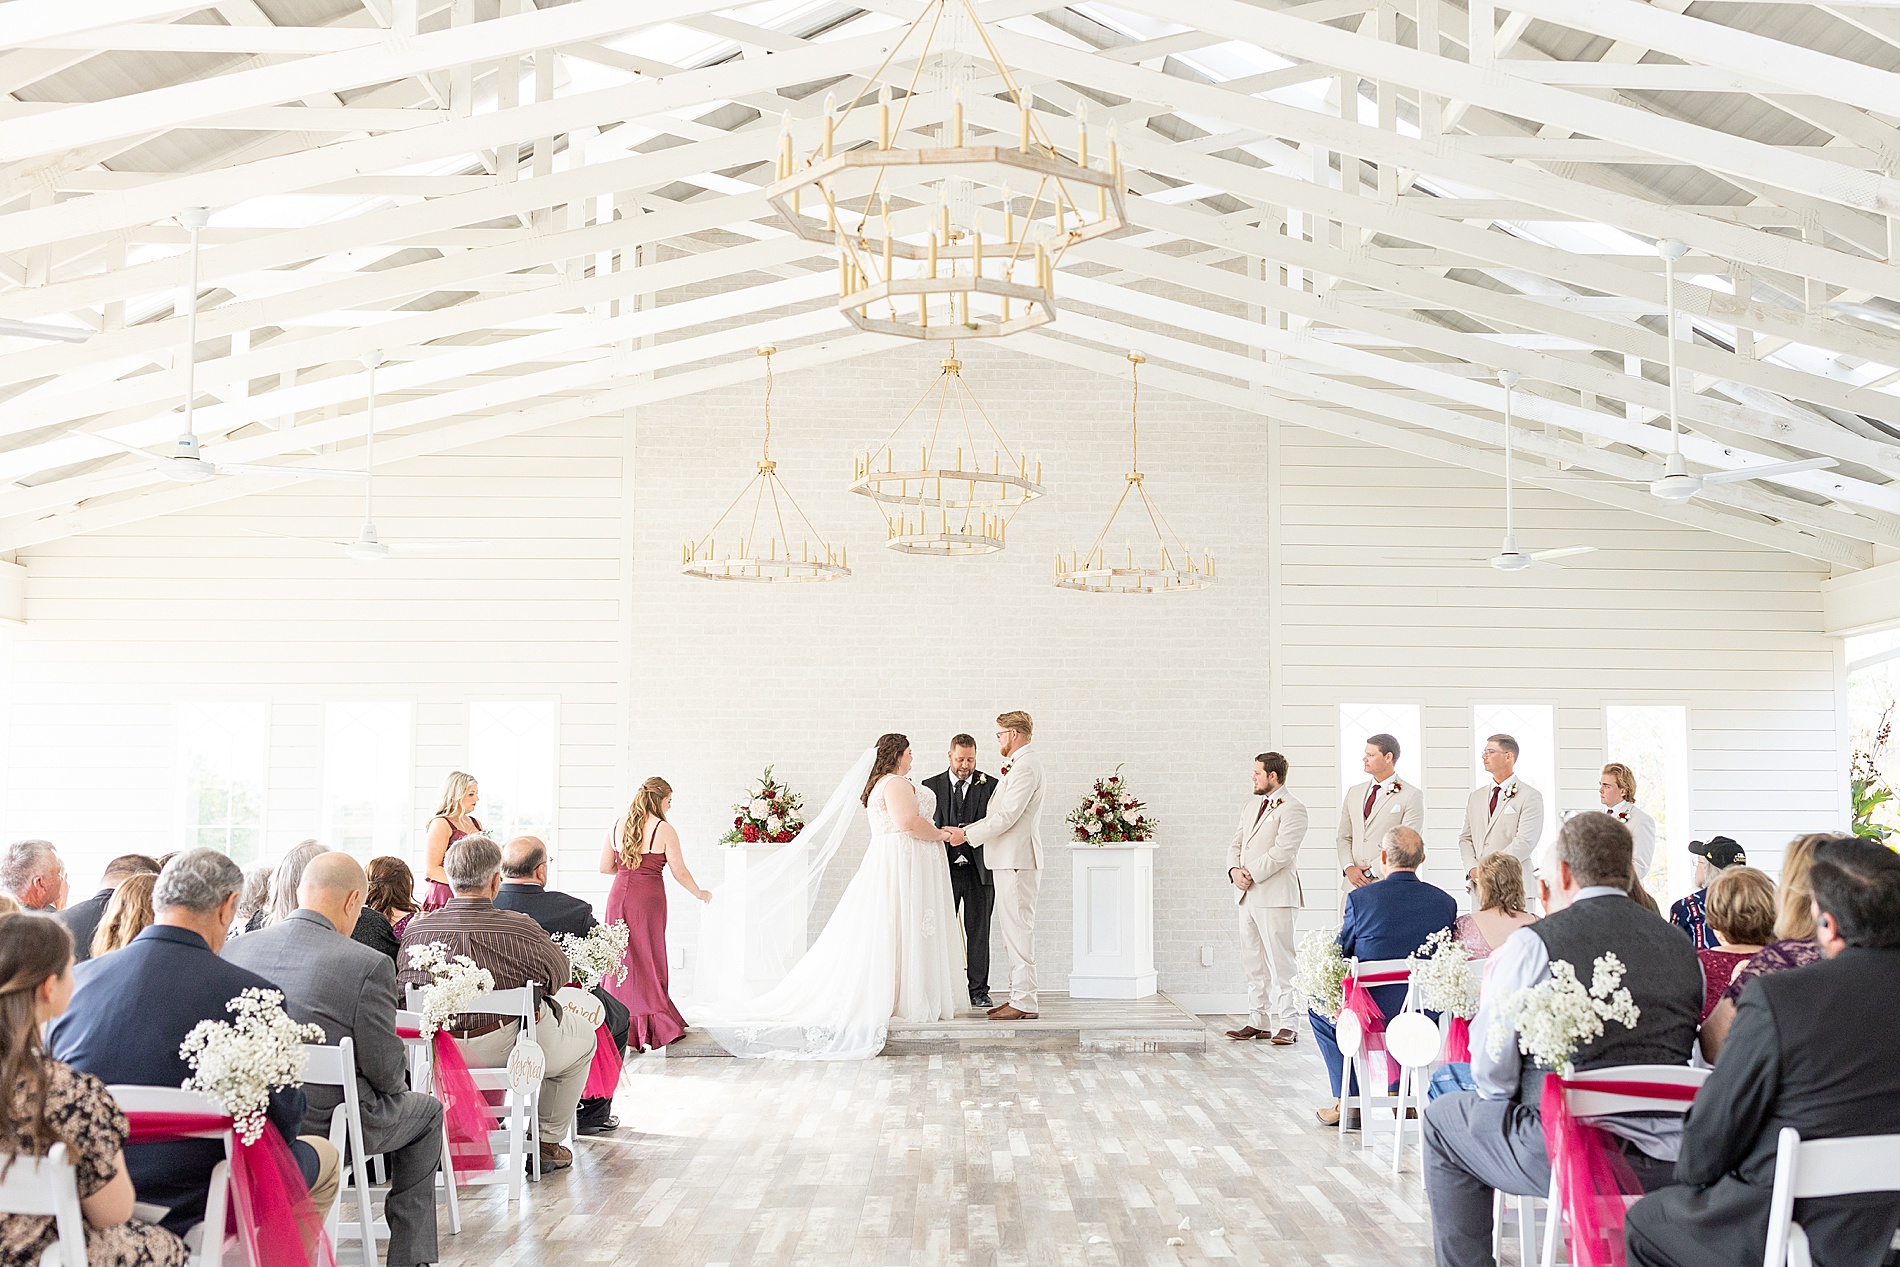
(438, 547)
(1562, 552)
(1545, 564)
(290, 472)
(1770, 471)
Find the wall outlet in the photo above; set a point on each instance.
(1207, 956)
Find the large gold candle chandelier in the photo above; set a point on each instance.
(967, 483)
(1103, 570)
(959, 239)
(740, 557)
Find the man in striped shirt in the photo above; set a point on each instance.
(516, 951)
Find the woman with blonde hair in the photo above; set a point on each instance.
(642, 845)
(1498, 883)
(453, 819)
(127, 914)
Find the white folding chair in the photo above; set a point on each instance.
(48, 1186)
(213, 1247)
(1523, 1211)
(1586, 1103)
(521, 1126)
(1823, 1168)
(336, 1067)
(1351, 1038)
(421, 1054)
(1416, 1042)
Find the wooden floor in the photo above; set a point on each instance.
(973, 1156)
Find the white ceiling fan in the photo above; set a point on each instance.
(1509, 558)
(368, 546)
(186, 463)
(1676, 484)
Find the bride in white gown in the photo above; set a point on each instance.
(891, 949)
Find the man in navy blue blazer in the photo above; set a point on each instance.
(132, 1008)
(1388, 919)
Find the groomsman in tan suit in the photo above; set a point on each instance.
(1370, 810)
(1012, 849)
(1263, 866)
(1505, 815)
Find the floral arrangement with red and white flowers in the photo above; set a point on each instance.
(1109, 815)
(769, 815)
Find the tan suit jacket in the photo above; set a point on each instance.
(1269, 847)
(1360, 838)
(1009, 830)
(1514, 829)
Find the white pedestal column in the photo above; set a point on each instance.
(1114, 896)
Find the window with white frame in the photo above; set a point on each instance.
(368, 776)
(1653, 741)
(223, 765)
(513, 753)
(1359, 722)
(1534, 726)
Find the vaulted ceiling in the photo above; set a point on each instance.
(1349, 214)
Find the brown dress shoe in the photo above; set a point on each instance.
(1246, 1034)
(1010, 1012)
(1328, 1116)
(1283, 1038)
(555, 1157)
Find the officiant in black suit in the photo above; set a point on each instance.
(963, 797)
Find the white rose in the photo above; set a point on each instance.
(759, 808)
(772, 824)
(1095, 827)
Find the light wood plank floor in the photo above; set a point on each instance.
(988, 1157)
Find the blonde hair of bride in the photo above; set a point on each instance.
(646, 807)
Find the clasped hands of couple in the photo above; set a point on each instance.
(954, 836)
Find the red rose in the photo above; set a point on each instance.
(1114, 778)
(750, 833)
(782, 837)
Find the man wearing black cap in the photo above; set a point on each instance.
(1711, 856)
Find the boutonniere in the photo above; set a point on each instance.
(1511, 793)
(981, 779)
(1274, 803)
(1397, 786)
(1621, 815)
(1006, 769)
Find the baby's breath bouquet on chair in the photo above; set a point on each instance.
(1443, 977)
(238, 1064)
(598, 955)
(455, 980)
(1557, 1016)
(1319, 971)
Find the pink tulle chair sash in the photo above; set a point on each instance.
(271, 1209)
(603, 1075)
(464, 1108)
(1594, 1183)
(1360, 1003)
(1458, 1040)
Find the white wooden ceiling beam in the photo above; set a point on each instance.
(24, 21)
(201, 37)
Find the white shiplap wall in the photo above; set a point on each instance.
(706, 683)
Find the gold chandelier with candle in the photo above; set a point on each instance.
(1169, 569)
(967, 483)
(960, 238)
(759, 511)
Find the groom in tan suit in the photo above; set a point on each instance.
(1012, 849)
(1263, 865)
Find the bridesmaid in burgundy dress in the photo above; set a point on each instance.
(452, 820)
(639, 848)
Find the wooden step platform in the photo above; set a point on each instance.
(1154, 1024)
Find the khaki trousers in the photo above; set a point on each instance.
(569, 1047)
(1016, 916)
(329, 1174)
(1267, 953)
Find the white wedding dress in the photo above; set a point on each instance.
(891, 949)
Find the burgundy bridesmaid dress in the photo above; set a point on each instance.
(638, 896)
(435, 894)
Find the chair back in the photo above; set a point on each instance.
(48, 1186)
(1824, 1168)
(517, 1003)
(1585, 1102)
(141, 1099)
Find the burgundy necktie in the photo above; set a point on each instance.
(1371, 796)
(1494, 798)
(1261, 813)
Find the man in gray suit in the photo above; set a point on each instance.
(350, 990)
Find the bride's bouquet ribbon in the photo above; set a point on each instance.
(1594, 1182)
(603, 1075)
(271, 1207)
(1458, 1040)
(464, 1109)
(1359, 1001)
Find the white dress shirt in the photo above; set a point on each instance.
(1520, 963)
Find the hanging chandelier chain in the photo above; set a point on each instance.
(765, 453)
(1134, 412)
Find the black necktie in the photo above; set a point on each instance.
(961, 803)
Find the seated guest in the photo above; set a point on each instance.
(1812, 1049)
(1643, 898)
(52, 1103)
(1387, 919)
(375, 926)
(283, 884)
(332, 981)
(1498, 885)
(128, 914)
(524, 888)
(1711, 857)
(1493, 1138)
(132, 1009)
(32, 875)
(515, 950)
(253, 900)
(1794, 945)
(82, 918)
(1740, 908)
